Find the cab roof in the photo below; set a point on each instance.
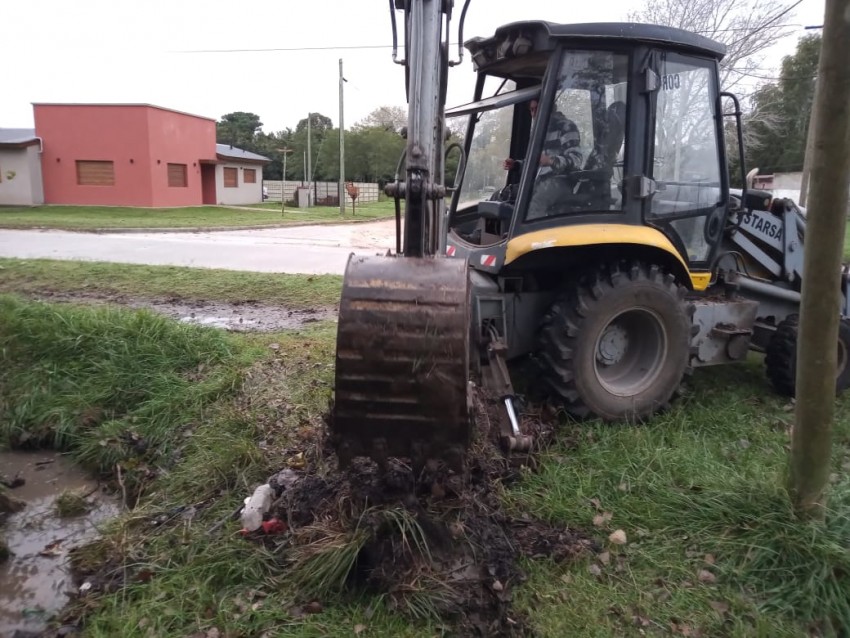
(519, 38)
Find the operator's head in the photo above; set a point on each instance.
(532, 106)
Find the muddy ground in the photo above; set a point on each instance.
(235, 317)
(439, 544)
(36, 580)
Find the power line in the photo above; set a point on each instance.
(769, 77)
(324, 48)
(355, 47)
(772, 20)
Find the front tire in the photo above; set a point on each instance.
(616, 344)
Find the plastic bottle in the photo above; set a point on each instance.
(256, 506)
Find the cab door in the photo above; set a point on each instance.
(687, 157)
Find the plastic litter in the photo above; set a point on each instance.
(256, 507)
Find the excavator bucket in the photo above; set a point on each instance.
(402, 361)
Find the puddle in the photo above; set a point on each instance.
(242, 317)
(236, 317)
(35, 581)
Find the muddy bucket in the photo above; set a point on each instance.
(402, 360)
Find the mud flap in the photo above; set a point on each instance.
(402, 361)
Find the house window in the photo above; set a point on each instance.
(177, 175)
(231, 177)
(95, 173)
(249, 176)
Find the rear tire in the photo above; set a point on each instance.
(616, 344)
(780, 358)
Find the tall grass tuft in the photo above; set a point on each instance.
(108, 384)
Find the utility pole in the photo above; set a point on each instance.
(341, 146)
(810, 141)
(811, 440)
(810, 144)
(309, 160)
(285, 151)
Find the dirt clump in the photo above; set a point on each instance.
(439, 546)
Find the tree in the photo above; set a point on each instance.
(238, 129)
(372, 154)
(811, 441)
(747, 29)
(778, 123)
(390, 118)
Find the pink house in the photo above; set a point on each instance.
(126, 155)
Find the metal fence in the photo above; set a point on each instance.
(324, 193)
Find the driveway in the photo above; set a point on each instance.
(322, 249)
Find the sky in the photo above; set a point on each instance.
(182, 54)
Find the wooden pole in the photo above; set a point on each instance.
(811, 443)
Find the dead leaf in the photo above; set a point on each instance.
(359, 629)
(602, 519)
(718, 606)
(595, 502)
(314, 607)
(623, 487)
(604, 558)
(681, 629)
(256, 605)
(274, 346)
(213, 632)
(709, 559)
(52, 549)
(618, 537)
(595, 569)
(706, 576)
(497, 586)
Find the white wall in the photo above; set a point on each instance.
(20, 177)
(243, 193)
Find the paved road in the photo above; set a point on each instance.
(303, 249)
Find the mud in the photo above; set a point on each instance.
(35, 582)
(464, 567)
(235, 317)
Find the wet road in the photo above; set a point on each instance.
(303, 249)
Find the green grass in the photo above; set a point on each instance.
(700, 488)
(111, 217)
(175, 407)
(706, 479)
(44, 276)
(384, 207)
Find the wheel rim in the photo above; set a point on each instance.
(630, 352)
(842, 358)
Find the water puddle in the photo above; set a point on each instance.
(236, 317)
(35, 581)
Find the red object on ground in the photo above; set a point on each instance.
(273, 526)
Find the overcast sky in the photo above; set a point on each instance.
(133, 51)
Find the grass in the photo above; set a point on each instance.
(114, 218)
(45, 277)
(71, 503)
(196, 418)
(700, 489)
